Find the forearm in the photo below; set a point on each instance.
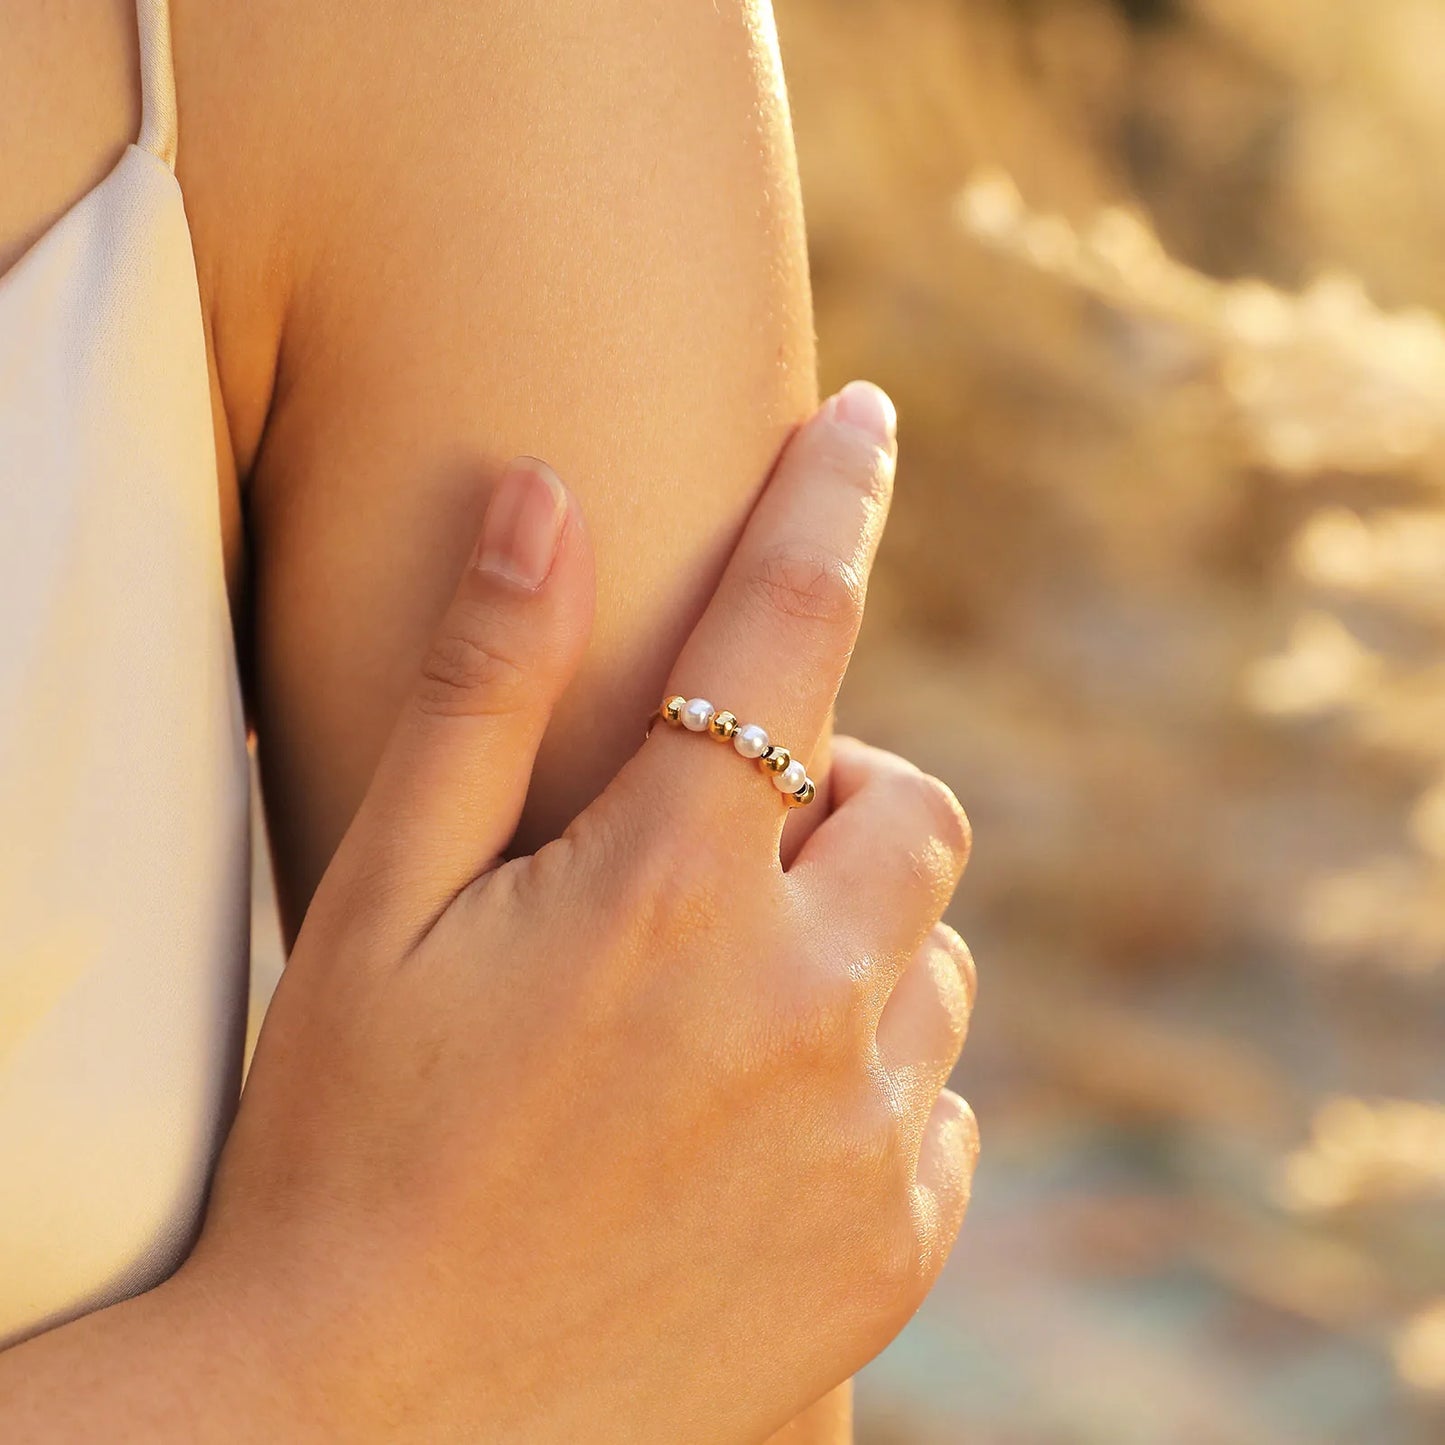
(188, 1364)
(166, 1366)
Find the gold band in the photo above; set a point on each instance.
(748, 739)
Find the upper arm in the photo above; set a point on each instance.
(566, 229)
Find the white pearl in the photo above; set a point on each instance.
(697, 714)
(750, 740)
(791, 778)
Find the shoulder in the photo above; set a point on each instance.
(336, 154)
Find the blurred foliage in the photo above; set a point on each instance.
(1155, 286)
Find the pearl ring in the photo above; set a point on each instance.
(698, 715)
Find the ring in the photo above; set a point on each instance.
(749, 741)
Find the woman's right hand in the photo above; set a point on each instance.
(642, 1137)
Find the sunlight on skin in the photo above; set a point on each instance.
(763, 26)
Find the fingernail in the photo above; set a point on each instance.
(868, 408)
(523, 524)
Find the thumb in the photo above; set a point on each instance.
(452, 779)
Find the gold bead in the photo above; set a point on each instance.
(672, 709)
(776, 760)
(723, 726)
(803, 796)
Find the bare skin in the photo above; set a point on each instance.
(641, 1138)
(428, 237)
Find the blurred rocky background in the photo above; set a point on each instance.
(1156, 285)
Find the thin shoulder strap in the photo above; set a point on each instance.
(157, 81)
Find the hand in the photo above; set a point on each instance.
(640, 1137)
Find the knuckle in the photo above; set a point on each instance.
(894, 1277)
(948, 941)
(922, 1257)
(926, 1251)
(953, 1134)
(890, 1268)
(808, 585)
(950, 1003)
(947, 822)
(967, 1122)
(886, 1126)
(465, 674)
(913, 1230)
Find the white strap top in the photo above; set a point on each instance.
(123, 778)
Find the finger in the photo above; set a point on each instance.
(450, 786)
(947, 1159)
(925, 1020)
(775, 640)
(889, 855)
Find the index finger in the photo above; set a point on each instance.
(773, 645)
